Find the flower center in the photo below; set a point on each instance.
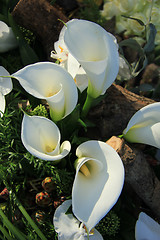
(50, 94)
(49, 148)
(91, 231)
(85, 171)
(61, 48)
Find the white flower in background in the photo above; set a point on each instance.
(95, 49)
(61, 52)
(133, 26)
(146, 228)
(110, 10)
(49, 81)
(98, 182)
(7, 38)
(67, 61)
(124, 69)
(5, 88)
(68, 227)
(133, 8)
(144, 126)
(41, 137)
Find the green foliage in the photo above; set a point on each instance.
(40, 110)
(91, 12)
(64, 181)
(109, 225)
(11, 61)
(28, 35)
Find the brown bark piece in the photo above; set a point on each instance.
(40, 17)
(112, 114)
(138, 173)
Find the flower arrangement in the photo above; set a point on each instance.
(77, 180)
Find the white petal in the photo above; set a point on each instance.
(96, 51)
(149, 114)
(124, 70)
(144, 126)
(65, 224)
(6, 82)
(147, 228)
(81, 79)
(43, 80)
(41, 137)
(2, 104)
(72, 65)
(61, 51)
(57, 104)
(92, 200)
(149, 134)
(68, 227)
(7, 38)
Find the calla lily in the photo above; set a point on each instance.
(49, 81)
(146, 228)
(68, 227)
(81, 79)
(7, 38)
(97, 52)
(144, 126)
(2, 104)
(41, 137)
(67, 61)
(5, 88)
(98, 182)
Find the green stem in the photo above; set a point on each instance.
(87, 234)
(30, 221)
(120, 136)
(5, 233)
(87, 105)
(11, 227)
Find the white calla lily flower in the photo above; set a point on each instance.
(7, 38)
(146, 228)
(49, 81)
(81, 79)
(68, 227)
(6, 85)
(61, 51)
(98, 182)
(41, 137)
(97, 52)
(67, 61)
(5, 88)
(2, 104)
(144, 126)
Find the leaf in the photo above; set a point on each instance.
(151, 32)
(141, 63)
(3, 18)
(28, 55)
(132, 43)
(139, 66)
(145, 87)
(136, 19)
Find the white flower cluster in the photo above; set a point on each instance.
(135, 9)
